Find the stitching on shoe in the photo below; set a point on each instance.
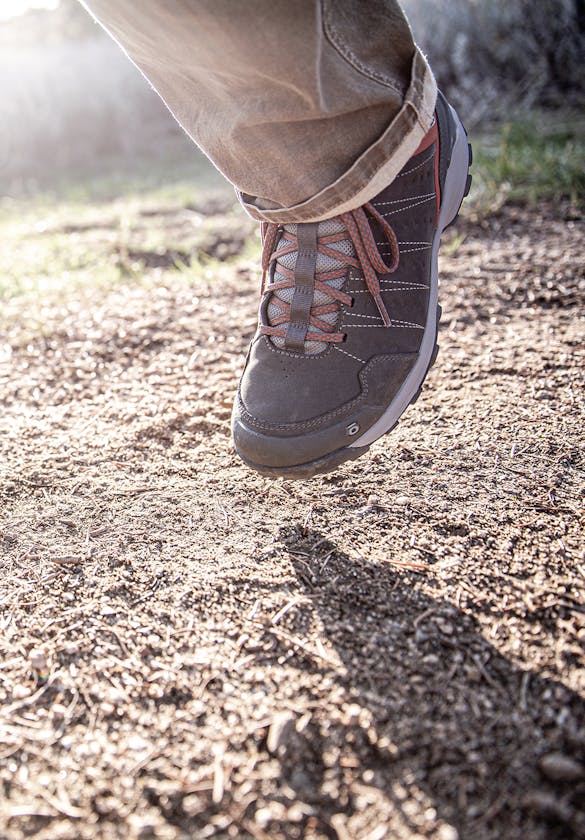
(410, 206)
(398, 324)
(402, 200)
(414, 287)
(307, 424)
(407, 242)
(351, 356)
(414, 168)
(391, 280)
(311, 356)
(412, 250)
(317, 421)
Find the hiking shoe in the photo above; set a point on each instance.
(349, 316)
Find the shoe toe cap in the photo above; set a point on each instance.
(327, 438)
(275, 450)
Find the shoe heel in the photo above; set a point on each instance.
(458, 178)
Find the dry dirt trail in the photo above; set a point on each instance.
(397, 650)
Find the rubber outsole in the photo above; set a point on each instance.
(333, 460)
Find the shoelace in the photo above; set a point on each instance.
(367, 259)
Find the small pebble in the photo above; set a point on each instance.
(137, 744)
(547, 805)
(19, 692)
(432, 660)
(262, 817)
(193, 804)
(298, 812)
(447, 832)
(38, 659)
(561, 768)
(141, 828)
(280, 732)
(115, 696)
(59, 711)
(353, 714)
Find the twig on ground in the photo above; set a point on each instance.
(282, 612)
(524, 683)
(67, 559)
(294, 640)
(218, 776)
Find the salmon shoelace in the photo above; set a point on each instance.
(368, 260)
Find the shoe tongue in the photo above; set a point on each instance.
(324, 263)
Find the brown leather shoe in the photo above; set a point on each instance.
(348, 321)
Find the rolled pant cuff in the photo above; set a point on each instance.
(376, 167)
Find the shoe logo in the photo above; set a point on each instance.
(352, 429)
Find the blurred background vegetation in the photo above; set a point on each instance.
(76, 113)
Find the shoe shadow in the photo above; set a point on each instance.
(433, 732)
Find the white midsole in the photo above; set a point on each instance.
(452, 196)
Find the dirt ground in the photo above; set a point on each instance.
(397, 650)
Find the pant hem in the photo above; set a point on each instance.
(376, 167)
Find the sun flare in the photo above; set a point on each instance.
(14, 8)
